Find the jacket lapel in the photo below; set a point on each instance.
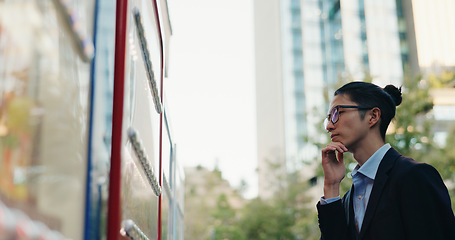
(353, 227)
(349, 211)
(378, 186)
(347, 204)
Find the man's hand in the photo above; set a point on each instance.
(333, 167)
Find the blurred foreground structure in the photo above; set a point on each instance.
(86, 146)
(304, 48)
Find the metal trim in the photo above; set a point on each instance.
(143, 159)
(147, 61)
(83, 43)
(132, 231)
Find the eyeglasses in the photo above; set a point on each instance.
(334, 114)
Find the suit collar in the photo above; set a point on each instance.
(381, 178)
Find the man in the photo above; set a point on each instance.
(392, 197)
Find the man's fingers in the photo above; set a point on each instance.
(334, 152)
(339, 147)
(340, 157)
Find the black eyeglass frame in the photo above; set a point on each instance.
(332, 111)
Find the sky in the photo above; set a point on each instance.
(211, 87)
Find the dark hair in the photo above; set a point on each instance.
(370, 95)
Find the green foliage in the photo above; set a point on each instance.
(262, 220)
(226, 226)
(224, 213)
(228, 233)
(442, 157)
(208, 214)
(446, 162)
(290, 214)
(410, 131)
(445, 79)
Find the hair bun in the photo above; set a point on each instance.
(395, 93)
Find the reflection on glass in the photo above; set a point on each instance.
(43, 119)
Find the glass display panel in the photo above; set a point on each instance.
(139, 201)
(44, 86)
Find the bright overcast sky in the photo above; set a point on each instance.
(211, 91)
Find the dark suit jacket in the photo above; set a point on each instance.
(408, 201)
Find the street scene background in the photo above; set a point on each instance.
(250, 85)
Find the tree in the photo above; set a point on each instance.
(208, 207)
(443, 80)
(226, 222)
(211, 206)
(410, 131)
(263, 220)
(290, 214)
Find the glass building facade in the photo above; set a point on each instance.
(333, 40)
(304, 66)
(370, 37)
(292, 77)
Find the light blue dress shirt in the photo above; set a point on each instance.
(363, 179)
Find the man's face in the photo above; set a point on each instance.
(349, 127)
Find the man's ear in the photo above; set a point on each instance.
(374, 116)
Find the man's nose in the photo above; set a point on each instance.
(329, 125)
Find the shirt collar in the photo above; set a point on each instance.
(370, 167)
